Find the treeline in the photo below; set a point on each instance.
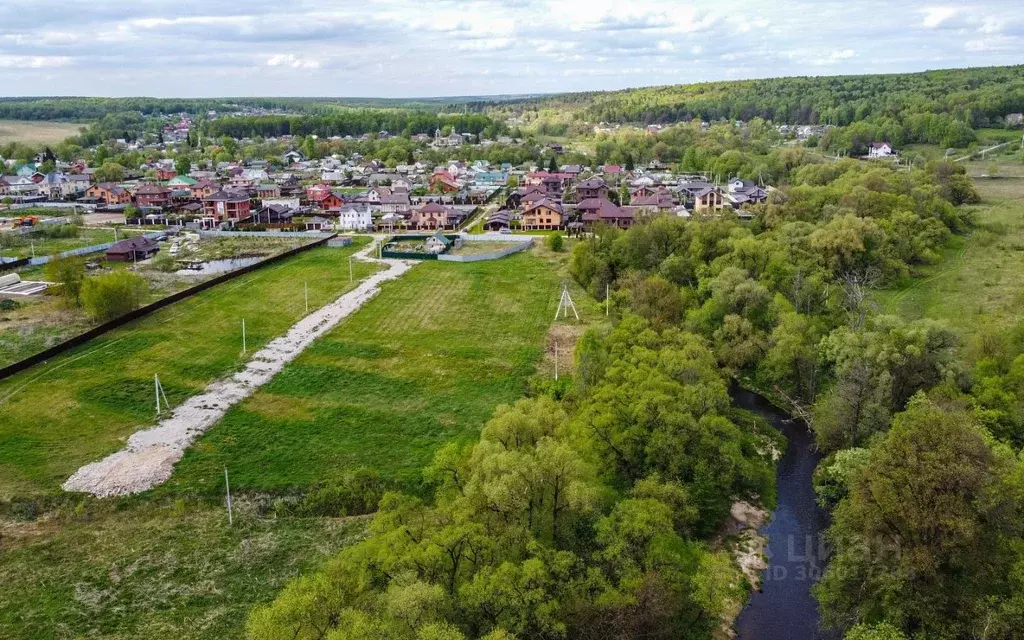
(585, 518)
(87, 109)
(979, 97)
(351, 122)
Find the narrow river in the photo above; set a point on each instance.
(784, 609)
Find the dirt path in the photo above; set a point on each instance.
(149, 458)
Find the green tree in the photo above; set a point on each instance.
(109, 172)
(927, 533)
(556, 242)
(69, 272)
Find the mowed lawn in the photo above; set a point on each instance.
(81, 406)
(423, 364)
(981, 277)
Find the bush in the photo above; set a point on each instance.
(556, 242)
(356, 494)
(7, 304)
(113, 295)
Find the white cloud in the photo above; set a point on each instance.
(33, 62)
(935, 16)
(293, 61)
(444, 47)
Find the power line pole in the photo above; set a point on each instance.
(243, 336)
(556, 361)
(227, 489)
(305, 290)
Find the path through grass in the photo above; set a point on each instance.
(79, 407)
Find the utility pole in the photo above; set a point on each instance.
(607, 300)
(305, 290)
(227, 489)
(556, 361)
(350, 280)
(243, 336)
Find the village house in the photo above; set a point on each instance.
(109, 193)
(132, 249)
(592, 188)
(352, 218)
(152, 195)
(268, 190)
(881, 150)
(543, 215)
(444, 183)
(498, 220)
(226, 206)
(435, 216)
(602, 210)
(273, 214)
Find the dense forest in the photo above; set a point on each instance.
(352, 122)
(980, 97)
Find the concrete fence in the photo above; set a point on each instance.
(268, 234)
(83, 251)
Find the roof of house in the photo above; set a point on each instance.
(550, 204)
(592, 183)
(128, 245)
(152, 190)
(601, 208)
(227, 196)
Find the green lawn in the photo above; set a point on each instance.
(167, 570)
(25, 245)
(423, 364)
(981, 277)
(81, 406)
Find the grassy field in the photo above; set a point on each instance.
(167, 570)
(423, 364)
(981, 277)
(36, 132)
(80, 406)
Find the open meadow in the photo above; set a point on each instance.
(981, 276)
(423, 363)
(37, 131)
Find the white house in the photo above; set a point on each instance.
(352, 218)
(881, 150)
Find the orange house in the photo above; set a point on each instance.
(543, 215)
(110, 193)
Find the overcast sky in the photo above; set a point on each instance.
(405, 48)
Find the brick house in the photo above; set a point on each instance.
(224, 205)
(110, 193)
(152, 195)
(543, 215)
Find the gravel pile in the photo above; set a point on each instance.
(149, 458)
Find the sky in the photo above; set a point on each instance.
(420, 48)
